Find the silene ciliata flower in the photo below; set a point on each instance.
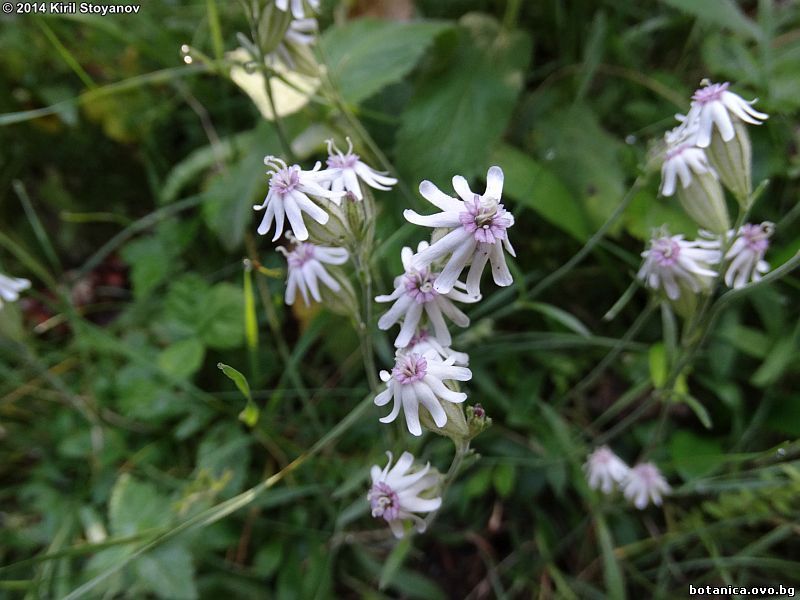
(673, 265)
(423, 342)
(401, 490)
(346, 168)
(644, 484)
(290, 188)
(713, 105)
(306, 270)
(10, 287)
(419, 379)
(746, 255)
(297, 6)
(476, 233)
(681, 160)
(414, 294)
(604, 469)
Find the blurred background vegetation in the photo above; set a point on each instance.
(127, 179)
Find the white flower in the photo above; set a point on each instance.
(682, 158)
(10, 287)
(417, 379)
(414, 294)
(713, 105)
(746, 254)
(306, 270)
(298, 7)
(289, 189)
(644, 483)
(604, 469)
(423, 342)
(672, 263)
(396, 492)
(477, 232)
(346, 168)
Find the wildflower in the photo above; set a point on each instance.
(10, 287)
(419, 379)
(415, 292)
(298, 7)
(306, 270)
(746, 254)
(673, 264)
(713, 104)
(700, 192)
(346, 168)
(477, 232)
(604, 469)
(400, 491)
(424, 342)
(289, 189)
(644, 483)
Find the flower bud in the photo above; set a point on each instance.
(272, 27)
(704, 201)
(477, 420)
(732, 161)
(456, 427)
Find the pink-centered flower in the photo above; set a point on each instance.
(644, 484)
(423, 342)
(714, 105)
(400, 491)
(604, 469)
(290, 195)
(415, 296)
(682, 159)
(672, 264)
(477, 233)
(10, 287)
(345, 169)
(419, 379)
(746, 254)
(306, 270)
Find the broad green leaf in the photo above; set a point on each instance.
(223, 323)
(647, 212)
(779, 359)
(694, 456)
(168, 572)
(457, 114)
(719, 13)
(366, 55)
(534, 186)
(150, 263)
(182, 359)
(135, 507)
(585, 157)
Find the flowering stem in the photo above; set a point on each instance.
(364, 322)
(462, 449)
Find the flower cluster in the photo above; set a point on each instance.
(709, 149)
(640, 484)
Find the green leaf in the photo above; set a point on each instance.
(612, 573)
(250, 413)
(366, 55)
(223, 325)
(720, 13)
(777, 361)
(136, 506)
(393, 562)
(558, 315)
(534, 186)
(149, 261)
(182, 359)
(503, 479)
(456, 116)
(694, 456)
(225, 454)
(657, 358)
(168, 572)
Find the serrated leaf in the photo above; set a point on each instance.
(456, 116)
(182, 359)
(366, 55)
(534, 186)
(720, 13)
(136, 506)
(168, 572)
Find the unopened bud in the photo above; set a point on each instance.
(477, 421)
(732, 161)
(704, 201)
